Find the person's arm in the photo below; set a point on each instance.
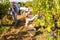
(26, 23)
(10, 10)
(32, 18)
(28, 19)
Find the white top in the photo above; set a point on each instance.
(24, 8)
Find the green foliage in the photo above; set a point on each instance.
(58, 38)
(1, 29)
(28, 3)
(58, 31)
(21, 3)
(4, 8)
(49, 9)
(48, 37)
(45, 6)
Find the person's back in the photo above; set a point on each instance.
(14, 9)
(18, 7)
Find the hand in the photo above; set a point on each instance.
(37, 15)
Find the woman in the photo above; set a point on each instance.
(29, 19)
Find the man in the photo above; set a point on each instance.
(18, 7)
(14, 12)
